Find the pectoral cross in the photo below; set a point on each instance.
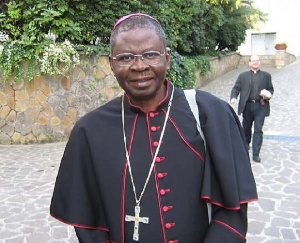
(136, 219)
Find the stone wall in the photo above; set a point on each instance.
(46, 109)
(267, 61)
(219, 66)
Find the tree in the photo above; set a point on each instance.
(193, 27)
(238, 16)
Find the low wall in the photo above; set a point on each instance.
(218, 67)
(47, 108)
(267, 61)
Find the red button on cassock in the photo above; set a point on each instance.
(153, 128)
(159, 159)
(170, 225)
(155, 144)
(167, 208)
(164, 191)
(173, 241)
(161, 175)
(153, 114)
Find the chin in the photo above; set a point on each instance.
(142, 95)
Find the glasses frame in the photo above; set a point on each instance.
(138, 55)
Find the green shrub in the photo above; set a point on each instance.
(183, 69)
(193, 27)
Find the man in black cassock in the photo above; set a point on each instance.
(136, 169)
(255, 89)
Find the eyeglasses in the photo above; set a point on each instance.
(128, 59)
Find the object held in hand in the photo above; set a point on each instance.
(265, 94)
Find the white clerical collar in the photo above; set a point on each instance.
(255, 71)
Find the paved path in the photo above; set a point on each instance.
(27, 175)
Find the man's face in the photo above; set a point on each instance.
(141, 81)
(254, 63)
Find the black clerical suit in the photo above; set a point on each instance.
(249, 85)
(93, 191)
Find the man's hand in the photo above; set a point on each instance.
(232, 101)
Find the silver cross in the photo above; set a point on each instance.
(136, 219)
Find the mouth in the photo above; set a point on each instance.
(141, 82)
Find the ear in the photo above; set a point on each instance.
(111, 63)
(168, 58)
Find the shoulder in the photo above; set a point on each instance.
(246, 73)
(267, 74)
(101, 114)
(211, 103)
(215, 113)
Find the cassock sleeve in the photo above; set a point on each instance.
(228, 226)
(228, 182)
(76, 198)
(236, 88)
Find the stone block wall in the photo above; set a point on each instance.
(46, 109)
(267, 61)
(219, 66)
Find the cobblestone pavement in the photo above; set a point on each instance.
(28, 172)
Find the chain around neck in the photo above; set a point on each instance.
(138, 199)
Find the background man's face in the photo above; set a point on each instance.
(254, 63)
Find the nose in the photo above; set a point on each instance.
(139, 63)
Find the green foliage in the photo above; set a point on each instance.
(58, 58)
(93, 49)
(238, 16)
(28, 21)
(193, 27)
(202, 64)
(183, 69)
(16, 58)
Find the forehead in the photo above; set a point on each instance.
(254, 58)
(136, 40)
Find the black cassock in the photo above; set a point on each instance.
(93, 190)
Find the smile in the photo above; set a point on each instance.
(141, 82)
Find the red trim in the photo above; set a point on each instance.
(160, 205)
(149, 134)
(80, 225)
(208, 199)
(184, 139)
(124, 181)
(123, 203)
(230, 228)
(156, 180)
(249, 200)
